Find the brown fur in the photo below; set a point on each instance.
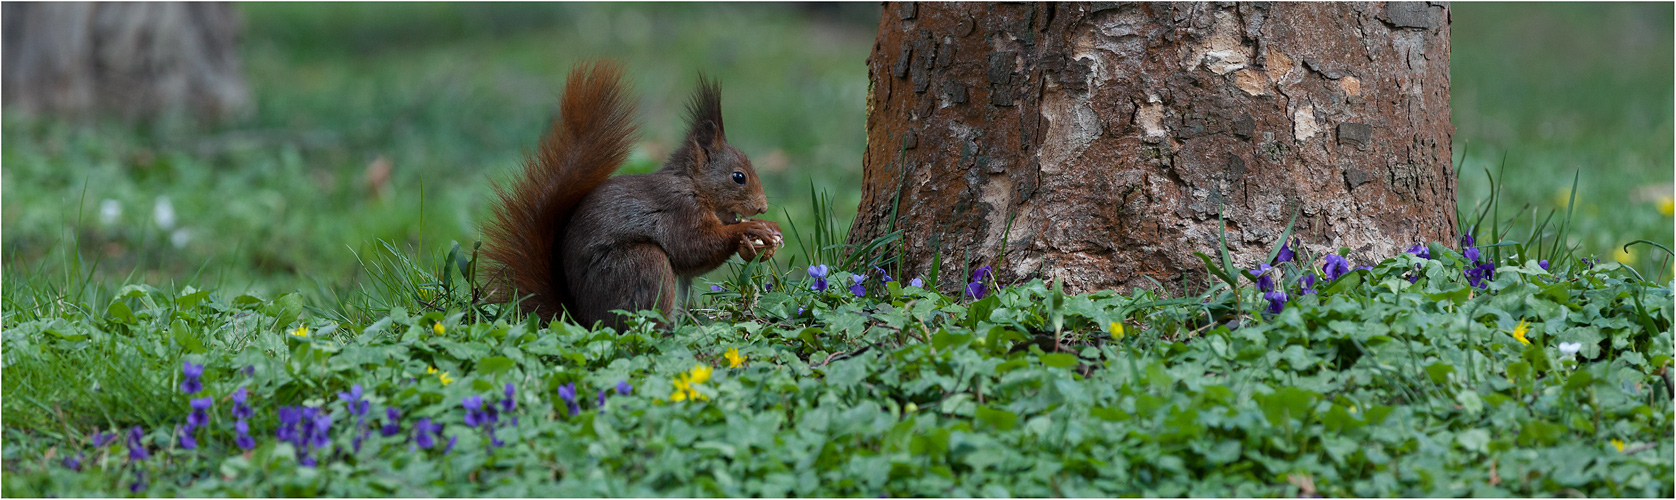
(578, 242)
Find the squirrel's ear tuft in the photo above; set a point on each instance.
(704, 115)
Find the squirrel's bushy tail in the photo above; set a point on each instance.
(583, 148)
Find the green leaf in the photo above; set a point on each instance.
(1059, 360)
(998, 419)
(1345, 282)
(495, 365)
(120, 311)
(942, 340)
(190, 297)
(187, 339)
(285, 309)
(1439, 372)
(1108, 414)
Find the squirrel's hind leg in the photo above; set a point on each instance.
(631, 278)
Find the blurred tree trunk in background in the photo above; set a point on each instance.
(136, 61)
(1107, 137)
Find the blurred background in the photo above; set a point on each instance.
(369, 122)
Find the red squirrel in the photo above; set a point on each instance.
(571, 238)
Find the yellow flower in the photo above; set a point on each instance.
(684, 383)
(681, 388)
(438, 328)
(734, 360)
(1623, 256)
(1519, 332)
(301, 331)
(443, 377)
(1667, 206)
(700, 374)
(1116, 329)
(1619, 444)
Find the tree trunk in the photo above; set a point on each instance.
(131, 60)
(1097, 144)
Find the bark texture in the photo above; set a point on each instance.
(130, 60)
(1095, 144)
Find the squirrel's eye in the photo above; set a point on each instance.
(739, 177)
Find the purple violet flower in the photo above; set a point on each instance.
(1265, 279)
(200, 412)
(511, 401)
(1284, 255)
(717, 288)
(103, 438)
(623, 388)
(289, 417)
(241, 406)
(1543, 263)
(450, 448)
(244, 440)
(353, 400)
(73, 463)
(856, 288)
(392, 422)
(136, 448)
(474, 410)
(1334, 267)
(250, 370)
(320, 432)
(601, 399)
(1277, 301)
(191, 384)
(1471, 254)
(1420, 250)
(819, 274)
(1480, 275)
(426, 432)
(139, 482)
(1589, 262)
(1307, 283)
(567, 392)
(916, 282)
(186, 441)
(976, 289)
(883, 276)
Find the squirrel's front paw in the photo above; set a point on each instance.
(760, 240)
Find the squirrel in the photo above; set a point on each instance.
(573, 239)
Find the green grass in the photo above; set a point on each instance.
(1372, 387)
(452, 96)
(1556, 90)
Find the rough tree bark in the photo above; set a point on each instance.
(1109, 136)
(129, 60)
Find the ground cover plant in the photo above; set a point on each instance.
(1432, 373)
(336, 348)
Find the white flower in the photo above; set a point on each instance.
(109, 211)
(1570, 348)
(164, 213)
(180, 237)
